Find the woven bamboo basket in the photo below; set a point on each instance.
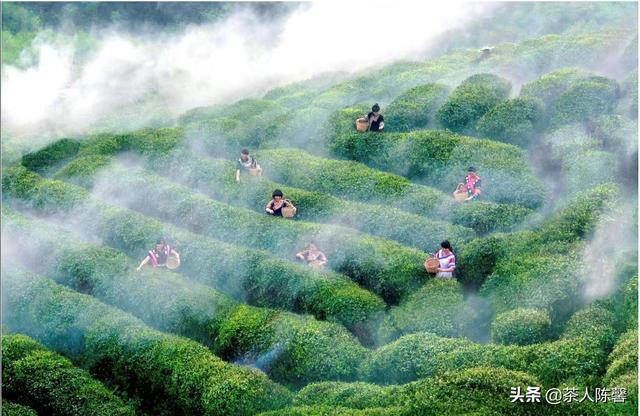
(173, 263)
(362, 124)
(460, 196)
(255, 172)
(431, 265)
(288, 212)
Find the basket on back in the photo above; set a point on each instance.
(362, 124)
(431, 265)
(255, 172)
(288, 211)
(173, 262)
(460, 194)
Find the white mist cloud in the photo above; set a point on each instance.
(605, 252)
(132, 76)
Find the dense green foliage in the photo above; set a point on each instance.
(594, 320)
(50, 384)
(436, 307)
(398, 270)
(350, 180)
(14, 409)
(622, 372)
(440, 159)
(48, 157)
(307, 350)
(415, 108)
(471, 100)
(421, 355)
(586, 99)
(546, 276)
(488, 217)
(513, 121)
(541, 268)
(240, 272)
(521, 327)
(215, 176)
(549, 87)
(631, 303)
(357, 395)
(166, 373)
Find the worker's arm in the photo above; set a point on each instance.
(381, 126)
(145, 261)
(237, 175)
(451, 268)
(268, 207)
(301, 255)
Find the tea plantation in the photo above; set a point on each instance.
(544, 297)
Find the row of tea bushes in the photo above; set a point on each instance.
(473, 391)
(436, 307)
(441, 158)
(351, 180)
(167, 374)
(622, 372)
(421, 355)
(216, 176)
(489, 217)
(233, 270)
(50, 384)
(415, 108)
(242, 124)
(479, 258)
(473, 98)
(544, 54)
(515, 121)
(397, 271)
(307, 350)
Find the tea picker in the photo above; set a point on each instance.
(470, 190)
(280, 207)
(248, 163)
(162, 255)
(374, 121)
(312, 256)
(443, 262)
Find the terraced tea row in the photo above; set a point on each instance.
(50, 384)
(290, 348)
(240, 272)
(166, 373)
(395, 272)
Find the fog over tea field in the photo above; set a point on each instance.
(319, 209)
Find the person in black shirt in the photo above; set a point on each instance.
(375, 119)
(246, 162)
(274, 207)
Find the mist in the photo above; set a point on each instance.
(146, 79)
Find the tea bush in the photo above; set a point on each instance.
(50, 384)
(167, 373)
(471, 100)
(521, 327)
(514, 121)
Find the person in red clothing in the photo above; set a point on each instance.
(158, 256)
(472, 183)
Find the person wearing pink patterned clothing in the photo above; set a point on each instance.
(447, 261)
